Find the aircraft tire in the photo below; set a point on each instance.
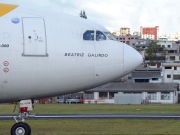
(21, 128)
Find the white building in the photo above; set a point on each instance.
(170, 37)
(154, 85)
(171, 72)
(153, 92)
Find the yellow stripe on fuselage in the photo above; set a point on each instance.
(6, 8)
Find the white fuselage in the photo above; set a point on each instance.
(43, 54)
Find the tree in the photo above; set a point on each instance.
(155, 52)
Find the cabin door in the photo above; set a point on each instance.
(34, 37)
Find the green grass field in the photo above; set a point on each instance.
(97, 126)
(96, 108)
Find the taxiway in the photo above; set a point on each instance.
(96, 116)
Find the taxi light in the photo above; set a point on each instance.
(23, 109)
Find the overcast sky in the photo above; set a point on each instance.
(114, 14)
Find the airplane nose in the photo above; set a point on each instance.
(132, 59)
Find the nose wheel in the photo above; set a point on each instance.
(21, 128)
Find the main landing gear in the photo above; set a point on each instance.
(22, 128)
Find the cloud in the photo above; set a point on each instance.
(118, 13)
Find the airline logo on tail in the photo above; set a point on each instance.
(6, 8)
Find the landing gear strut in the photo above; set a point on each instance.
(22, 128)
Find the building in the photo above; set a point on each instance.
(128, 39)
(135, 33)
(124, 31)
(116, 33)
(174, 36)
(170, 37)
(154, 93)
(147, 82)
(172, 51)
(171, 72)
(141, 44)
(150, 32)
(147, 75)
(163, 38)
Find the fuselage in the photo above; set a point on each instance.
(45, 54)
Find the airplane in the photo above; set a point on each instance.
(45, 54)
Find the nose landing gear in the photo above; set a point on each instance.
(22, 128)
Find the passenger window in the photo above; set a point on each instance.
(88, 35)
(100, 36)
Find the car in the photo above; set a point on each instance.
(72, 100)
(60, 99)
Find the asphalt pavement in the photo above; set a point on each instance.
(96, 116)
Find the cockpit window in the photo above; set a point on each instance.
(89, 35)
(110, 36)
(100, 36)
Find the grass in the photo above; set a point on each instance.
(97, 108)
(97, 126)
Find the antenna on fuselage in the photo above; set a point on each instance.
(83, 14)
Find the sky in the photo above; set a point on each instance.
(114, 14)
